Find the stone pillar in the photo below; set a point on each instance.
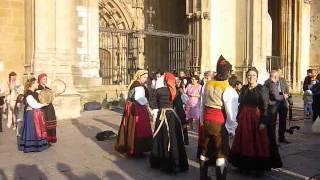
(303, 62)
(259, 38)
(44, 38)
(54, 51)
(87, 64)
(227, 31)
(205, 60)
(315, 35)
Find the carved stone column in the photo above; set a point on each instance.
(53, 51)
(259, 38)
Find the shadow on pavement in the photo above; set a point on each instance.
(66, 170)
(136, 168)
(23, 171)
(113, 175)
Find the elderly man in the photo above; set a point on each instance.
(278, 104)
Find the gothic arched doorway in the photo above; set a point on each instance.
(114, 48)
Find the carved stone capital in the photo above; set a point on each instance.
(307, 1)
(206, 15)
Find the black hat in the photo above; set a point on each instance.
(223, 66)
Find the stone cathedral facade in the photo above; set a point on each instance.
(95, 46)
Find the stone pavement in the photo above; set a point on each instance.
(77, 155)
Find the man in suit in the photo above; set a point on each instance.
(278, 104)
(283, 108)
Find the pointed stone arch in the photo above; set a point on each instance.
(115, 14)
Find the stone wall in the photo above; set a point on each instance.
(315, 34)
(12, 43)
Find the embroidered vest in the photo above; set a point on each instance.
(212, 95)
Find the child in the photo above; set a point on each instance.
(308, 99)
(19, 113)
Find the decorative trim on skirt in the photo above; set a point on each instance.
(135, 133)
(34, 134)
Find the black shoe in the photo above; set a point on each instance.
(285, 141)
(204, 170)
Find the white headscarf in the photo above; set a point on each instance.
(160, 82)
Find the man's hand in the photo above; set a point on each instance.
(286, 96)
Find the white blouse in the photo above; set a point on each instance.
(140, 95)
(231, 104)
(32, 102)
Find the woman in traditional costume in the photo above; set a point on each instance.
(251, 149)
(135, 133)
(168, 151)
(34, 134)
(49, 111)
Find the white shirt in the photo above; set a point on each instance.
(201, 103)
(32, 102)
(231, 104)
(140, 95)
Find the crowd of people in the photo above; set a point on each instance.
(33, 122)
(236, 123)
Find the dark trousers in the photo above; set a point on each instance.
(274, 110)
(316, 108)
(283, 112)
(272, 113)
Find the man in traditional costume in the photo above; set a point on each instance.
(220, 103)
(135, 134)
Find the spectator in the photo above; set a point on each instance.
(278, 104)
(19, 113)
(316, 98)
(238, 86)
(308, 78)
(14, 89)
(193, 90)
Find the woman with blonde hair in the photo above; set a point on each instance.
(135, 134)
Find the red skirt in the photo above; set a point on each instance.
(135, 133)
(250, 149)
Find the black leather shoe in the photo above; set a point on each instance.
(284, 141)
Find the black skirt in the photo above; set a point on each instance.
(169, 158)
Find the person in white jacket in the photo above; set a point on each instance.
(12, 91)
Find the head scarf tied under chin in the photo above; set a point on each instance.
(41, 76)
(138, 75)
(160, 82)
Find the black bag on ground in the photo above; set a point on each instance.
(91, 106)
(105, 135)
